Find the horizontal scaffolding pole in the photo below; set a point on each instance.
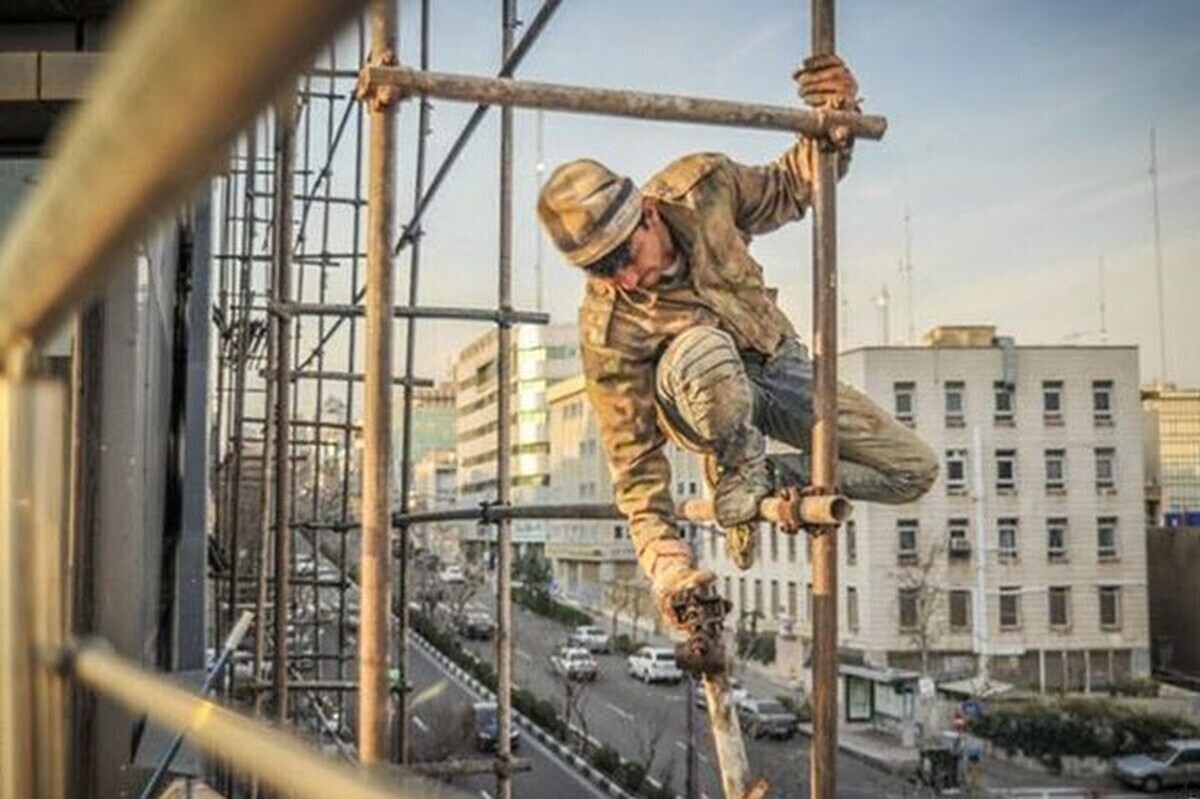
(786, 511)
(142, 145)
(357, 377)
(251, 747)
(620, 103)
(405, 312)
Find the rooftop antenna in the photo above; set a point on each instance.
(906, 269)
(1158, 266)
(882, 299)
(540, 170)
(1103, 310)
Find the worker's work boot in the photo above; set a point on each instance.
(668, 564)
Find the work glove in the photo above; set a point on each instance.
(826, 82)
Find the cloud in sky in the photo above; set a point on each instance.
(1018, 143)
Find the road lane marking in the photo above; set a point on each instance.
(420, 725)
(625, 714)
(484, 794)
(523, 654)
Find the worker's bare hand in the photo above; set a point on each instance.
(826, 82)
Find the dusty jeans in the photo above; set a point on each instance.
(879, 459)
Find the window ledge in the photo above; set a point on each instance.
(1109, 558)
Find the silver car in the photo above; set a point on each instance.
(1177, 763)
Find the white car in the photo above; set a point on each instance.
(654, 664)
(453, 574)
(591, 638)
(574, 663)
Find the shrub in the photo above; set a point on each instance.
(756, 646)
(1135, 686)
(800, 707)
(1051, 730)
(630, 775)
(623, 644)
(606, 760)
(543, 604)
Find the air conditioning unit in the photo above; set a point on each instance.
(960, 546)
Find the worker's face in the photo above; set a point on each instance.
(651, 252)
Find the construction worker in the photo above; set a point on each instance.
(681, 338)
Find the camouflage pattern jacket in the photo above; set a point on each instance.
(712, 207)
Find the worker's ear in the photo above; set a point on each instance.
(650, 209)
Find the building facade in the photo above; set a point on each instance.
(1172, 448)
(1030, 548)
(540, 357)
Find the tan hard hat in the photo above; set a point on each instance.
(588, 210)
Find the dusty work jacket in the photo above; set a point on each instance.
(712, 207)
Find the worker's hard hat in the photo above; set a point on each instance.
(588, 210)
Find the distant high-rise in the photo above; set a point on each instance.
(1172, 448)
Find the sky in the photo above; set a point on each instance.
(1018, 148)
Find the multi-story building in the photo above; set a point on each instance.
(1172, 449)
(594, 561)
(541, 356)
(434, 486)
(1037, 509)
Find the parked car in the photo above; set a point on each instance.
(591, 638)
(761, 717)
(476, 625)
(487, 723)
(737, 693)
(1177, 763)
(654, 664)
(574, 663)
(453, 573)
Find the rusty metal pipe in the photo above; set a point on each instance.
(613, 102)
(816, 510)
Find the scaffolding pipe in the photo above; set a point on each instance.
(355, 377)
(621, 103)
(823, 760)
(504, 556)
(285, 161)
(144, 144)
(280, 761)
(410, 312)
(375, 570)
(410, 355)
(532, 32)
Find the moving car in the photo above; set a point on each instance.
(761, 717)
(476, 625)
(591, 638)
(654, 664)
(453, 573)
(487, 720)
(574, 663)
(1177, 763)
(737, 693)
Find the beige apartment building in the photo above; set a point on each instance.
(1038, 509)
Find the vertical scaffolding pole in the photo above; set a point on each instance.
(375, 570)
(285, 146)
(410, 352)
(823, 771)
(503, 438)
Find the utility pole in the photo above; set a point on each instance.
(882, 300)
(1158, 264)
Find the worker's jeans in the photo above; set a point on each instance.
(880, 460)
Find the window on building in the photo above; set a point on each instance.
(1056, 471)
(1060, 606)
(1102, 403)
(1106, 538)
(791, 599)
(1006, 471)
(958, 540)
(618, 531)
(1106, 469)
(956, 471)
(851, 542)
(728, 588)
(712, 544)
(693, 488)
(1010, 607)
(852, 609)
(742, 605)
(907, 600)
(1110, 607)
(758, 597)
(906, 540)
(1004, 406)
(774, 543)
(955, 391)
(1056, 540)
(960, 610)
(1052, 402)
(791, 548)
(776, 608)
(905, 401)
(1006, 530)
(808, 601)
